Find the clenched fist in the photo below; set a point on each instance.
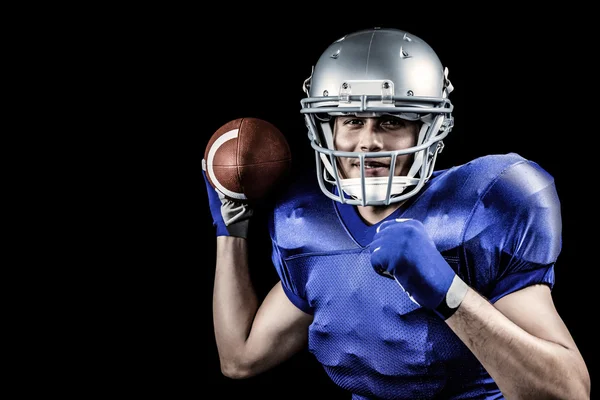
(403, 250)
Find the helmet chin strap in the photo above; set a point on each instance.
(376, 187)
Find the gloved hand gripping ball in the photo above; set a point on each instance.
(244, 161)
(230, 217)
(402, 250)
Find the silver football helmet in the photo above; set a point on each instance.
(371, 73)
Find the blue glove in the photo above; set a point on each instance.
(230, 217)
(402, 250)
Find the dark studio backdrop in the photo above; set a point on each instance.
(508, 80)
(151, 83)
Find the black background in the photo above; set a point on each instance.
(518, 81)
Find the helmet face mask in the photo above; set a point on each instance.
(373, 73)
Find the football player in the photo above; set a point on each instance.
(404, 281)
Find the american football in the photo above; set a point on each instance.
(246, 158)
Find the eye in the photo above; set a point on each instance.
(393, 122)
(353, 121)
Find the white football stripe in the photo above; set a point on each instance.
(232, 134)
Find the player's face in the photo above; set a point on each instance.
(386, 133)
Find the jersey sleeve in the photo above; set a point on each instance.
(513, 238)
(294, 294)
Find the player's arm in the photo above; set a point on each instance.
(523, 344)
(521, 340)
(251, 337)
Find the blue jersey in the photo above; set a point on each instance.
(496, 221)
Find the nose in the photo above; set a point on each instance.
(370, 138)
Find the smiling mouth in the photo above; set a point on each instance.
(374, 168)
(371, 165)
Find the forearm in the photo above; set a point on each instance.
(234, 300)
(523, 366)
